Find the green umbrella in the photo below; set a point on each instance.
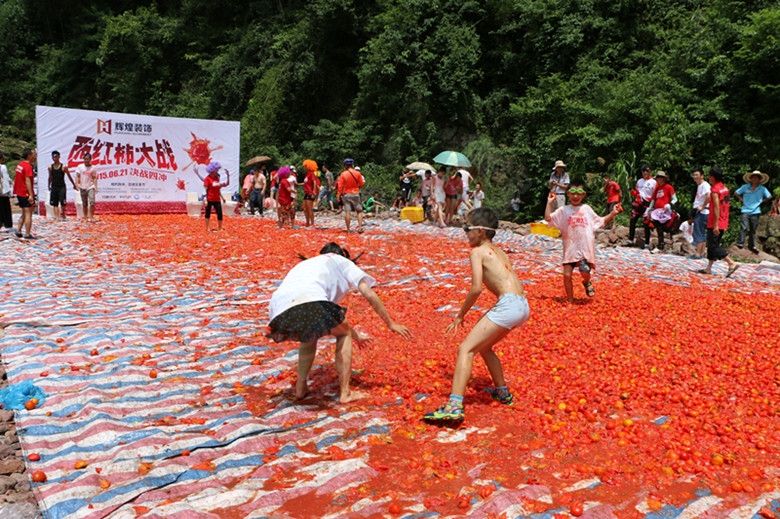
(452, 158)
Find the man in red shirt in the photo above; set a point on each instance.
(718, 222)
(349, 183)
(23, 189)
(613, 191)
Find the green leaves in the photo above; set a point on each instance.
(520, 83)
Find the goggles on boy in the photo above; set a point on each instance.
(467, 228)
(577, 190)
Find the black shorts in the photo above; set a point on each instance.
(58, 195)
(306, 322)
(453, 197)
(309, 197)
(24, 201)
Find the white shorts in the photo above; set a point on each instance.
(510, 311)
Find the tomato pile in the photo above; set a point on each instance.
(650, 391)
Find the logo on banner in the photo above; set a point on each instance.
(104, 126)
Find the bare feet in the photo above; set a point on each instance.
(301, 391)
(352, 396)
(298, 398)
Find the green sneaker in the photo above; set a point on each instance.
(447, 412)
(506, 400)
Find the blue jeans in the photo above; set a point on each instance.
(700, 228)
(256, 201)
(749, 224)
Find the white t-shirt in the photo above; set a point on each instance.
(293, 181)
(425, 186)
(701, 194)
(465, 176)
(646, 188)
(479, 196)
(86, 176)
(578, 226)
(6, 188)
(327, 277)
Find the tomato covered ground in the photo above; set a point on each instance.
(657, 397)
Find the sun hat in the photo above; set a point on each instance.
(662, 174)
(214, 166)
(559, 164)
(764, 177)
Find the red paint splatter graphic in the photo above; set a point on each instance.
(200, 151)
(180, 184)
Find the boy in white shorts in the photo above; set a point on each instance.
(490, 265)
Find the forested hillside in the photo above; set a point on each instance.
(514, 84)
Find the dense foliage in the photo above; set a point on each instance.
(514, 84)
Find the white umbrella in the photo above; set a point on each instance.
(417, 166)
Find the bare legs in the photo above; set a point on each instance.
(26, 221)
(308, 350)
(480, 340)
(348, 219)
(308, 211)
(567, 282)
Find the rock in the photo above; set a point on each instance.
(11, 465)
(22, 483)
(20, 478)
(768, 234)
(13, 496)
(6, 483)
(6, 451)
(6, 415)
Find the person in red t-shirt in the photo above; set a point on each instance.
(453, 190)
(613, 191)
(311, 188)
(213, 194)
(661, 206)
(284, 196)
(717, 222)
(23, 189)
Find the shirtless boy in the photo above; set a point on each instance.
(491, 266)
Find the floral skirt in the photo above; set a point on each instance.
(306, 322)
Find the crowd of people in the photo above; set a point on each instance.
(654, 204)
(442, 196)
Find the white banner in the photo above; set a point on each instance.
(146, 164)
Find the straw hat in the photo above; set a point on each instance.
(559, 164)
(764, 177)
(661, 174)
